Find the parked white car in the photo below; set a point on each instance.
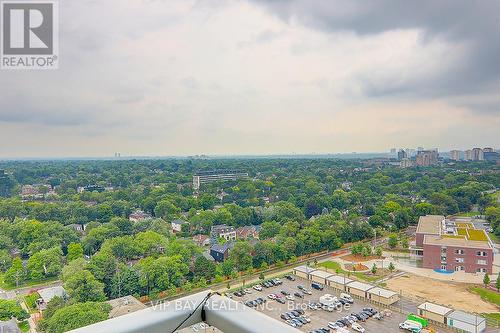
(247, 291)
(257, 287)
(346, 297)
(411, 326)
(271, 296)
(358, 328)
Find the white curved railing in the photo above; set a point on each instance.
(227, 315)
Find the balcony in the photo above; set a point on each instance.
(227, 315)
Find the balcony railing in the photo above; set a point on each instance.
(227, 315)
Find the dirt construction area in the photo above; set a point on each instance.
(454, 295)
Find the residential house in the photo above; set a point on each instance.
(139, 215)
(46, 294)
(220, 252)
(77, 227)
(201, 240)
(177, 225)
(247, 232)
(223, 231)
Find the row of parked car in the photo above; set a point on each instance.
(295, 318)
(258, 287)
(256, 302)
(352, 320)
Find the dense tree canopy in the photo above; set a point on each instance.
(301, 206)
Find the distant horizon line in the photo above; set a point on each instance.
(208, 156)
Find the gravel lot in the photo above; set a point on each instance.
(320, 318)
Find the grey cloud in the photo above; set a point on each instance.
(21, 110)
(473, 23)
(485, 107)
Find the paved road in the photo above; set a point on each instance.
(11, 294)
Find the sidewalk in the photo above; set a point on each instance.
(30, 319)
(425, 272)
(11, 294)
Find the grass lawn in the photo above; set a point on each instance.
(487, 295)
(494, 238)
(30, 301)
(497, 195)
(468, 214)
(24, 326)
(494, 316)
(335, 266)
(31, 283)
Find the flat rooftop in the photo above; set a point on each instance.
(430, 224)
(339, 279)
(434, 308)
(360, 286)
(321, 274)
(304, 269)
(455, 241)
(465, 317)
(382, 292)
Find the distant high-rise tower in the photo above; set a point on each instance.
(426, 158)
(468, 155)
(477, 154)
(402, 154)
(455, 155)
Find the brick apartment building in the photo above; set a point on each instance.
(452, 246)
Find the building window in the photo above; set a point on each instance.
(481, 270)
(481, 262)
(482, 253)
(459, 259)
(459, 268)
(459, 251)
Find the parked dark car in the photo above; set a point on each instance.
(316, 286)
(299, 295)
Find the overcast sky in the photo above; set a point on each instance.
(259, 77)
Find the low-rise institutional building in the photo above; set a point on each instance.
(338, 282)
(452, 245)
(466, 321)
(359, 289)
(459, 320)
(203, 177)
(383, 296)
(320, 276)
(344, 284)
(303, 271)
(434, 312)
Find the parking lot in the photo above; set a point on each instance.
(320, 318)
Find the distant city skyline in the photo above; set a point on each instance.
(252, 77)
